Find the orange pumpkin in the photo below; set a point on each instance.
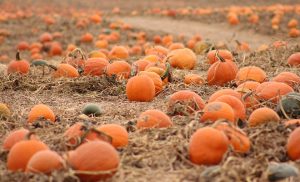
(250, 73)
(236, 137)
(294, 32)
(55, 49)
(182, 58)
(94, 161)
(254, 19)
(159, 51)
(292, 122)
(233, 19)
(44, 161)
(261, 116)
(95, 66)
(23, 46)
(288, 78)
(294, 59)
(174, 46)
(18, 66)
(21, 152)
(140, 88)
(236, 104)
(119, 52)
(140, 64)
(225, 54)
(208, 152)
(118, 134)
(46, 37)
(293, 149)
(156, 80)
(40, 111)
(226, 91)
(221, 72)
(272, 91)
(65, 70)
(214, 111)
(192, 102)
(101, 44)
(15, 137)
(193, 79)
(153, 119)
(292, 23)
(97, 54)
(121, 69)
(86, 38)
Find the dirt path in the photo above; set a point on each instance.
(213, 32)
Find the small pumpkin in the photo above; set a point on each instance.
(140, 88)
(292, 122)
(121, 69)
(191, 101)
(289, 106)
(153, 119)
(294, 59)
(226, 91)
(236, 104)
(287, 77)
(208, 152)
(119, 52)
(293, 141)
(46, 37)
(45, 161)
(40, 111)
(64, 70)
(86, 38)
(176, 45)
(140, 65)
(18, 66)
(96, 54)
(4, 111)
(95, 66)
(94, 161)
(212, 55)
(261, 116)
(294, 32)
(250, 73)
(194, 79)
(14, 137)
(182, 58)
(117, 132)
(214, 111)
(156, 80)
(21, 152)
(292, 23)
(92, 110)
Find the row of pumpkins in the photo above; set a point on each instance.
(146, 78)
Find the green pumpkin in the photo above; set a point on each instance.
(289, 106)
(92, 110)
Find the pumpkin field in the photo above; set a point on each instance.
(164, 90)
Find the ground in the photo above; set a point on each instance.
(153, 154)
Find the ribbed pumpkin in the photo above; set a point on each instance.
(140, 88)
(214, 111)
(221, 72)
(40, 111)
(153, 119)
(45, 161)
(117, 132)
(121, 69)
(236, 104)
(118, 52)
(21, 152)
(155, 78)
(250, 73)
(261, 116)
(65, 70)
(207, 146)
(226, 91)
(187, 98)
(94, 157)
(225, 54)
(95, 66)
(288, 78)
(293, 149)
(14, 137)
(18, 66)
(182, 58)
(272, 91)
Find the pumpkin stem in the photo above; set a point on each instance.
(167, 72)
(18, 58)
(219, 57)
(28, 135)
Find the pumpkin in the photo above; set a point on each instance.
(221, 72)
(64, 70)
(254, 19)
(156, 80)
(117, 132)
(190, 100)
(121, 69)
(238, 139)
(177, 45)
(18, 66)
(44, 161)
(225, 91)
(207, 152)
(287, 77)
(193, 79)
(292, 23)
(40, 111)
(242, 46)
(294, 32)
(4, 111)
(23, 46)
(212, 55)
(96, 54)
(55, 49)
(21, 152)
(94, 157)
(182, 58)
(119, 52)
(92, 110)
(294, 59)
(153, 58)
(289, 106)
(140, 65)
(292, 122)
(248, 86)
(250, 73)
(101, 44)
(293, 141)
(14, 137)
(246, 90)
(261, 116)
(140, 88)
(153, 119)
(76, 58)
(159, 51)
(236, 104)
(86, 38)
(46, 37)
(272, 91)
(214, 111)
(95, 66)
(233, 19)
(157, 39)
